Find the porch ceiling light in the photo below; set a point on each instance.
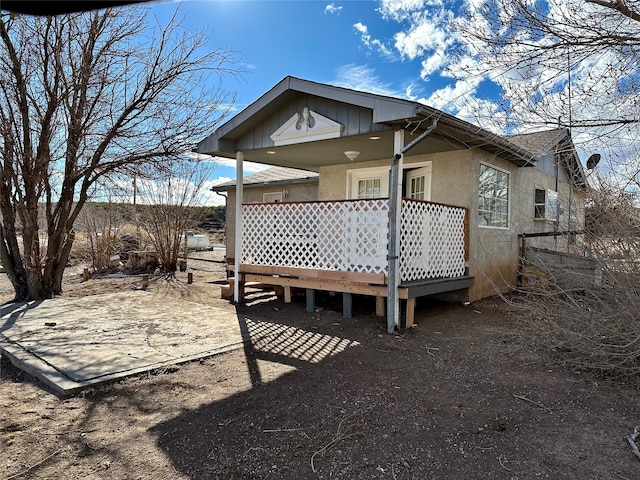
(271, 152)
(352, 154)
(374, 137)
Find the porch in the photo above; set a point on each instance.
(342, 246)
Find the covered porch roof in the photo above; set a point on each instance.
(363, 115)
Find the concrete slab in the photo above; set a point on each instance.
(73, 343)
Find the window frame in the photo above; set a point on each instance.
(267, 195)
(540, 209)
(508, 199)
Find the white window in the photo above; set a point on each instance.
(272, 197)
(369, 188)
(493, 188)
(540, 203)
(368, 183)
(546, 205)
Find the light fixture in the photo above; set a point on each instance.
(374, 137)
(352, 154)
(271, 152)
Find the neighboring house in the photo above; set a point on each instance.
(275, 184)
(468, 194)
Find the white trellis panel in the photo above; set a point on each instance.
(348, 236)
(352, 236)
(431, 241)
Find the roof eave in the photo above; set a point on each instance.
(226, 188)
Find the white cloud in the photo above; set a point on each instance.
(219, 180)
(247, 167)
(370, 42)
(363, 78)
(331, 8)
(424, 34)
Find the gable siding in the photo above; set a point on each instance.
(547, 164)
(356, 120)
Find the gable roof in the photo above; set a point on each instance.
(271, 176)
(552, 142)
(539, 143)
(385, 115)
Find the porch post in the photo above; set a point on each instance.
(395, 203)
(238, 222)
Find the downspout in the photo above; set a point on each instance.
(395, 203)
(238, 232)
(395, 217)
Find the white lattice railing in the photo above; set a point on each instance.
(431, 241)
(349, 236)
(352, 236)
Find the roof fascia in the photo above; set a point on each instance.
(226, 188)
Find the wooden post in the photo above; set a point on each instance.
(287, 294)
(380, 306)
(190, 278)
(411, 307)
(145, 281)
(521, 260)
(86, 274)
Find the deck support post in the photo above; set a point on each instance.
(411, 308)
(238, 234)
(347, 305)
(311, 300)
(287, 294)
(380, 306)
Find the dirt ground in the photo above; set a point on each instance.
(473, 392)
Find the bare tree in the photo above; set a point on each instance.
(84, 97)
(560, 63)
(99, 233)
(167, 205)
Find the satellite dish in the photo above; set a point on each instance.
(593, 160)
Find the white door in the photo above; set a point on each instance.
(418, 184)
(366, 236)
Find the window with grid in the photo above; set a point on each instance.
(493, 188)
(540, 203)
(417, 188)
(369, 188)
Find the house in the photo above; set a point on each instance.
(411, 201)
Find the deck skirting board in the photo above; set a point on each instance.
(433, 286)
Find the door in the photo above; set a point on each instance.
(367, 226)
(418, 184)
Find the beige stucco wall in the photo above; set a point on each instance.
(494, 252)
(296, 192)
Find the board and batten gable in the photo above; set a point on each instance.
(355, 120)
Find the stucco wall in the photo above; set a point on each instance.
(494, 252)
(297, 192)
(450, 180)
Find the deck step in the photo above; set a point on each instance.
(226, 290)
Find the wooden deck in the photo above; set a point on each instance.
(347, 283)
